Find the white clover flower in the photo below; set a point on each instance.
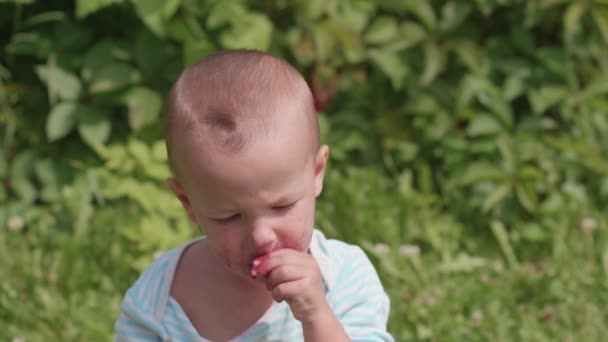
(15, 223)
(409, 251)
(381, 249)
(588, 225)
(18, 339)
(477, 316)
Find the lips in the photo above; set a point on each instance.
(263, 252)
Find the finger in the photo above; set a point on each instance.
(262, 266)
(285, 291)
(283, 274)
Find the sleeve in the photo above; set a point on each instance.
(359, 300)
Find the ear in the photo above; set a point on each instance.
(320, 164)
(182, 197)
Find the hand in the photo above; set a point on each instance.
(295, 277)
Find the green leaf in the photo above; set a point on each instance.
(462, 263)
(435, 59)
(144, 107)
(572, 19)
(61, 84)
(155, 13)
(545, 97)
(392, 66)
(46, 171)
(534, 232)
(225, 12)
(112, 77)
(471, 56)
(483, 124)
(495, 103)
(527, 197)
(382, 30)
(153, 55)
(21, 169)
(501, 235)
(497, 194)
(86, 7)
(253, 32)
(99, 56)
(410, 34)
(94, 125)
(139, 151)
(424, 11)
(479, 172)
(514, 86)
(159, 151)
(324, 41)
(453, 13)
(600, 15)
(36, 44)
(61, 120)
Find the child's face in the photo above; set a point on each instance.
(257, 201)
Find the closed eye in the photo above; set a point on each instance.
(227, 220)
(286, 207)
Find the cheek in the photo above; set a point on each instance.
(226, 251)
(298, 231)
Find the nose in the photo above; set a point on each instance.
(263, 237)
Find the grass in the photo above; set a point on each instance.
(447, 280)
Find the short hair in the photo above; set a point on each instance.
(233, 97)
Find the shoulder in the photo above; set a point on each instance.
(339, 252)
(150, 292)
(341, 262)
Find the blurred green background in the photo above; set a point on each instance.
(469, 154)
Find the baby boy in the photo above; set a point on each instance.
(243, 143)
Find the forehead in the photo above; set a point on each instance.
(268, 162)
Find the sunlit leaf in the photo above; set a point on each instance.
(502, 237)
(483, 124)
(453, 13)
(496, 196)
(392, 66)
(112, 77)
(144, 107)
(87, 7)
(61, 120)
(600, 15)
(435, 59)
(479, 172)
(572, 19)
(61, 84)
(154, 13)
(499, 106)
(383, 29)
(93, 125)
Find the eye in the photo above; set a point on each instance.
(227, 220)
(286, 207)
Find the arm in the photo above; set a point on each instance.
(326, 328)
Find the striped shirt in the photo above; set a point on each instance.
(352, 286)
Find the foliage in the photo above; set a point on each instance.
(467, 139)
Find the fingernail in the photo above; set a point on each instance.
(254, 274)
(256, 262)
